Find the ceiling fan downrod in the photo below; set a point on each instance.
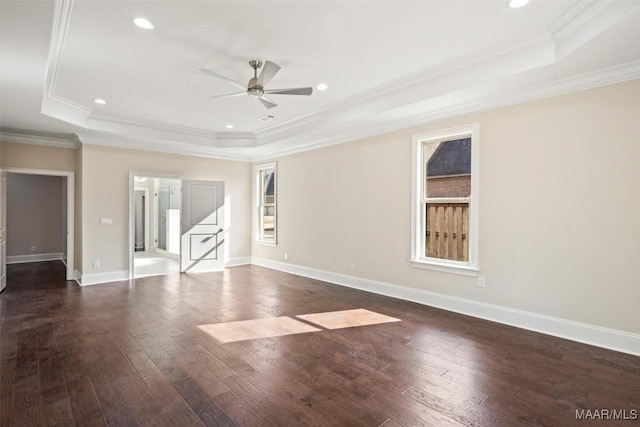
(253, 88)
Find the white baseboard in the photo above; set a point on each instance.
(94, 279)
(576, 331)
(238, 261)
(18, 259)
(116, 276)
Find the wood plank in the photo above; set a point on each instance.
(139, 398)
(208, 411)
(238, 410)
(57, 413)
(84, 402)
(115, 409)
(25, 402)
(164, 394)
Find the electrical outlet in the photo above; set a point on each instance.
(353, 266)
(96, 264)
(482, 282)
(286, 256)
(33, 248)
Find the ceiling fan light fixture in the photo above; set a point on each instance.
(143, 23)
(255, 91)
(514, 4)
(99, 101)
(229, 126)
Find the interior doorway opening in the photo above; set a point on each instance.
(155, 225)
(41, 245)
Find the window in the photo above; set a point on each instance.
(445, 195)
(266, 186)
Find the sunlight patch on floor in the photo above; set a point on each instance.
(256, 329)
(347, 318)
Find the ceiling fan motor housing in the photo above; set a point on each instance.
(254, 89)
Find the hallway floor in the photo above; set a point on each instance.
(150, 263)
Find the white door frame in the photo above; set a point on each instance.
(70, 175)
(132, 211)
(146, 215)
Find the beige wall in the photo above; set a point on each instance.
(31, 156)
(34, 214)
(559, 209)
(105, 186)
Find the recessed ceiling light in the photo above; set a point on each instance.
(143, 23)
(99, 101)
(229, 126)
(514, 4)
(322, 86)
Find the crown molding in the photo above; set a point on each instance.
(49, 140)
(585, 21)
(54, 105)
(59, 29)
(163, 146)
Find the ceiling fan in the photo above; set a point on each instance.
(255, 87)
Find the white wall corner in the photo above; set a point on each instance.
(576, 331)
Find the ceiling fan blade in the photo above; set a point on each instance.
(269, 69)
(229, 95)
(221, 77)
(267, 102)
(292, 91)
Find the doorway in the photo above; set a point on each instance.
(155, 225)
(66, 226)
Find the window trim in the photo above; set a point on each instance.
(258, 169)
(418, 221)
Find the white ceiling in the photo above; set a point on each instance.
(388, 64)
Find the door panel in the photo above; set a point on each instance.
(203, 247)
(202, 226)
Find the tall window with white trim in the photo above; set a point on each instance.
(445, 172)
(267, 203)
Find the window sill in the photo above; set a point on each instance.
(266, 243)
(445, 268)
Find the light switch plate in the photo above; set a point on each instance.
(106, 221)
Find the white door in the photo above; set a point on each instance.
(3, 230)
(202, 226)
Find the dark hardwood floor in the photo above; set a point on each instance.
(130, 353)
